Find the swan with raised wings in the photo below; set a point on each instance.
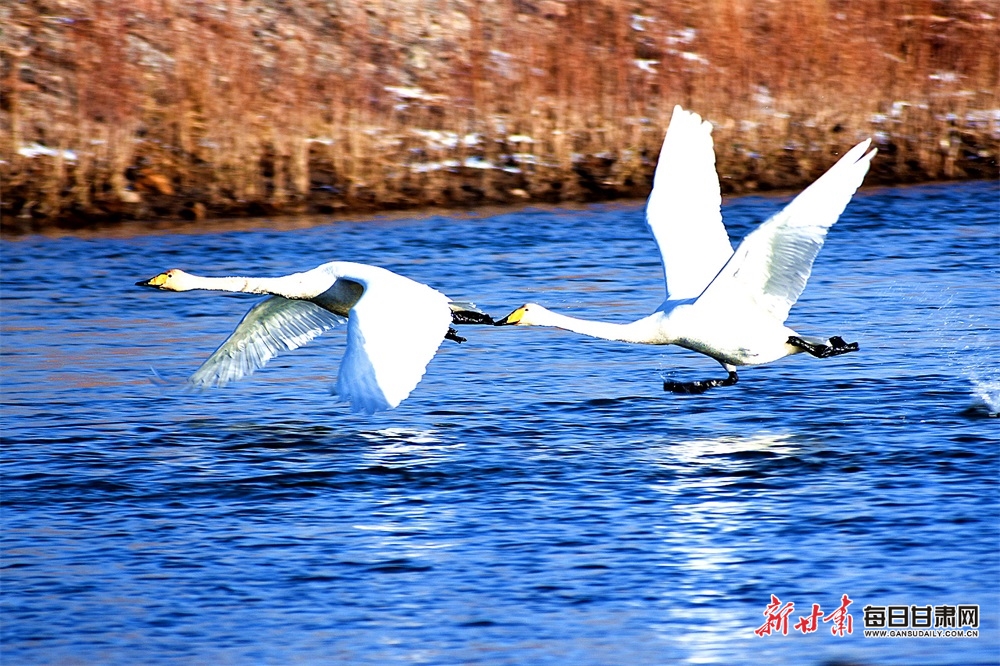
(394, 326)
(728, 305)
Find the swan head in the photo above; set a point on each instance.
(173, 280)
(529, 314)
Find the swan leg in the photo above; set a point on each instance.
(462, 315)
(701, 385)
(836, 347)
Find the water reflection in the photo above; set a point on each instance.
(692, 452)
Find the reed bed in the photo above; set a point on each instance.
(185, 108)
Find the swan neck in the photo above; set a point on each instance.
(246, 285)
(634, 332)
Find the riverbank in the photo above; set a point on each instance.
(188, 110)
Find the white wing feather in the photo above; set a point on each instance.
(684, 208)
(274, 325)
(773, 263)
(393, 332)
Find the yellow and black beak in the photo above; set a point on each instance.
(512, 319)
(155, 282)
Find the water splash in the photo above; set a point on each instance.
(986, 396)
(951, 326)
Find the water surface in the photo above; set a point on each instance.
(539, 499)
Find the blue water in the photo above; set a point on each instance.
(538, 499)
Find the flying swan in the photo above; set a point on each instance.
(394, 326)
(728, 305)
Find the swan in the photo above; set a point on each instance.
(394, 326)
(728, 305)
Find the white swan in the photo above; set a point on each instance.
(724, 304)
(394, 326)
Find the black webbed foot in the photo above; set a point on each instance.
(471, 317)
(699, 386)
(836, 347)
(453, 335)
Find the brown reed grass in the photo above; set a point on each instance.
(186, 108)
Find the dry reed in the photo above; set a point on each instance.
(160, 108)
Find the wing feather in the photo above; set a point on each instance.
(684, 210)
(773, 263)
(272, 326)
(393, 332)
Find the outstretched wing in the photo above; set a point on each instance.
(274, 325)
(773, 263)
(684, 208)
(393, 332)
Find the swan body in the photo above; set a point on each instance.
(394, 326)
(728, 304)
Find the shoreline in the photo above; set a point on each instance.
(126, 229)
(157, 211)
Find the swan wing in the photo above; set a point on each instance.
(272, 326)
(773, 263)
(393, 332)
(684, 209)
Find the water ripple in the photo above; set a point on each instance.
(539, 499)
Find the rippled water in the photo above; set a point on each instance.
(539, 499)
